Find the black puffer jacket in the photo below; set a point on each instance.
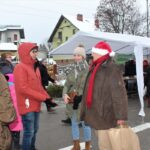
(45, 78)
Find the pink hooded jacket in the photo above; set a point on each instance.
(17, 124)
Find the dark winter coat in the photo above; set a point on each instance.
(45, 78)
(6, 67)
(147, 81)
(109, 102)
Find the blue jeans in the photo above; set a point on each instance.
(76, 131)
(30, 126)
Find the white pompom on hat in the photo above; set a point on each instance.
(80, 50)
(103, 48)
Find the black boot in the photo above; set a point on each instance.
(67, 121)
(49, 105)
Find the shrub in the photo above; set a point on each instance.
(55, 90)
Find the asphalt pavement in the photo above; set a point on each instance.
(54, 135)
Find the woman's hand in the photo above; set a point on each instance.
(66, 98)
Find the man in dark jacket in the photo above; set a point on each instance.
(45, 78)
(104, 102)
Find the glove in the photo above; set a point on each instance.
(51, 103)
(76, 101)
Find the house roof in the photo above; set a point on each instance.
(13, 27)
(8, 47)
(85, 25)
(6, 27)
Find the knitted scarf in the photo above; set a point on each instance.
(96, 64)
(78, 66)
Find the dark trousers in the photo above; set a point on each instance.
(15, 140)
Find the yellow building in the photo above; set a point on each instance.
(66, 27)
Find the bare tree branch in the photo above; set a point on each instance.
(121, 16)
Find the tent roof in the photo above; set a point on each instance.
(120, 43)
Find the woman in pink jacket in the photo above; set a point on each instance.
(16, 125)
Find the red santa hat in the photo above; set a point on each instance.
(103, 48)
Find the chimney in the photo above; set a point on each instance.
(79, 17)
(96, 23)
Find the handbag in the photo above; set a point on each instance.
(71, 94)
(123, 138)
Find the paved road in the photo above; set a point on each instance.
(53, 135)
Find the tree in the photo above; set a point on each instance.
(120, 16)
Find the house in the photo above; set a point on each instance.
(68, 26)
(11, 34)
(10, 37)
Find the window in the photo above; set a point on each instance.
(74, 31)
(9, 40)
(60, 36)
(66, 38)
(15, 37)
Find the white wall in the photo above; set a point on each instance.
(9, 34)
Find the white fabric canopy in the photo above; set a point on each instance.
(120, 43)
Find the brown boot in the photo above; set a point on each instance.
(76, 145)
(88, 145)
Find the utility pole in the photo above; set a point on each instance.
(147, 18)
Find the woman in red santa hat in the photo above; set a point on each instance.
(104, 101)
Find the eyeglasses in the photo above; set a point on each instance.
(34, 51)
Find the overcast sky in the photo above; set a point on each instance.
(39, 17)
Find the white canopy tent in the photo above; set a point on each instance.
(120, 43)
